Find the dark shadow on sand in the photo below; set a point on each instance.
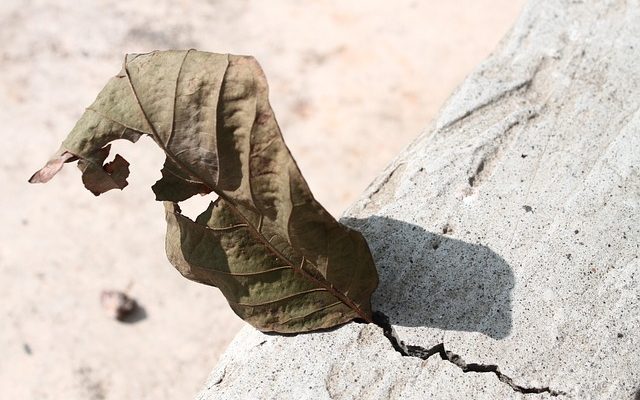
(138, 314)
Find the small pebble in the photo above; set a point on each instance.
(117, 304)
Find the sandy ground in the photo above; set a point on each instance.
(352, 83)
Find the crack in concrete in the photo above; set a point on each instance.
(382, 321)
(514, 89)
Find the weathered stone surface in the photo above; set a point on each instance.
(509, 233)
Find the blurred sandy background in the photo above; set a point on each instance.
(352, 83)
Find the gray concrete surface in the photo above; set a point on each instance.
(506, 236)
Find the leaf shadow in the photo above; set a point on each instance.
(432, 280)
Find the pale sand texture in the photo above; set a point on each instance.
(352, 83)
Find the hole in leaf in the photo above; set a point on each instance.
(145, 162)
(195, 205)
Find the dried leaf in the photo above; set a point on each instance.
(51, 168)
(98, 178)
(281, 260)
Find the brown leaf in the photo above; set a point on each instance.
(98, 178)
(281, 260)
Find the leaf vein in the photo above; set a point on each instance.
(175, 99)
(115, 120)
(286, 321)
(266, 303)
(266, 271)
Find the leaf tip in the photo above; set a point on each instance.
(51, 168)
